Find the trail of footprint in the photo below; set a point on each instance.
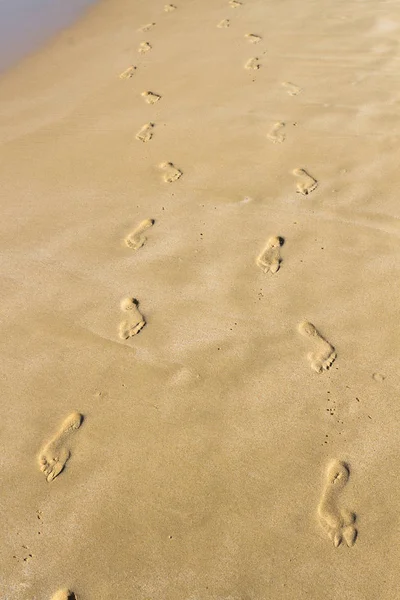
(135, 320)
(136, 239)
(128, 73)
(338, 523)
(276, 135)
(145, 133)
(253, 64)
(253, 38)
(235, 3)
(224, 24)
(325, 353)
(147, 27)
(54, 455)
(306, 183)
(291, 88)
(171, 173)
(169, 7)
(64, 595)
(151, 97)
(144, 47)
(270, 257)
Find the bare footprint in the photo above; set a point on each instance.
(291, 88)
(136, 239)
(144, 47)
(171, 173)
(338, 523)
(128, 73)
(378, 377)
(55, 453)
(253, 38)
(147, 27)
(276, 135)
(64, 595)
(169, 7)
(145, 133)
(252, 64)
(135, 320)
(225, 23)
(270, 257)
(151, 97)
(306, 184)
(324, 355)
(235, 3)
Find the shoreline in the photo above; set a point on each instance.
(40, 40)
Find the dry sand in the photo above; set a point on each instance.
(245, 222)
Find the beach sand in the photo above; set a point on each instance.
(199, 305)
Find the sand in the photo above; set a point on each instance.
(199, 305)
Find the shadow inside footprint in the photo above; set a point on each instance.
(64, 595)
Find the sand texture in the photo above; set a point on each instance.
(199, 255)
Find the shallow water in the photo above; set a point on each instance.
(27, 24)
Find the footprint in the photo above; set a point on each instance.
(253, 38)
(171, 173)
(235, 3)
(136, 239)
(224, 24)
(144, 47)
(338, 523)
(253, 64)
(135, 320)
(291, 88)
(145, 133)
(306, 183)
(54, 455)
(128, 73)
(64, 595)
(325, 354)
(169, 7)
(147, 27)
(151, 97)
(270, 257)
(275, 135)
(378, 377)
